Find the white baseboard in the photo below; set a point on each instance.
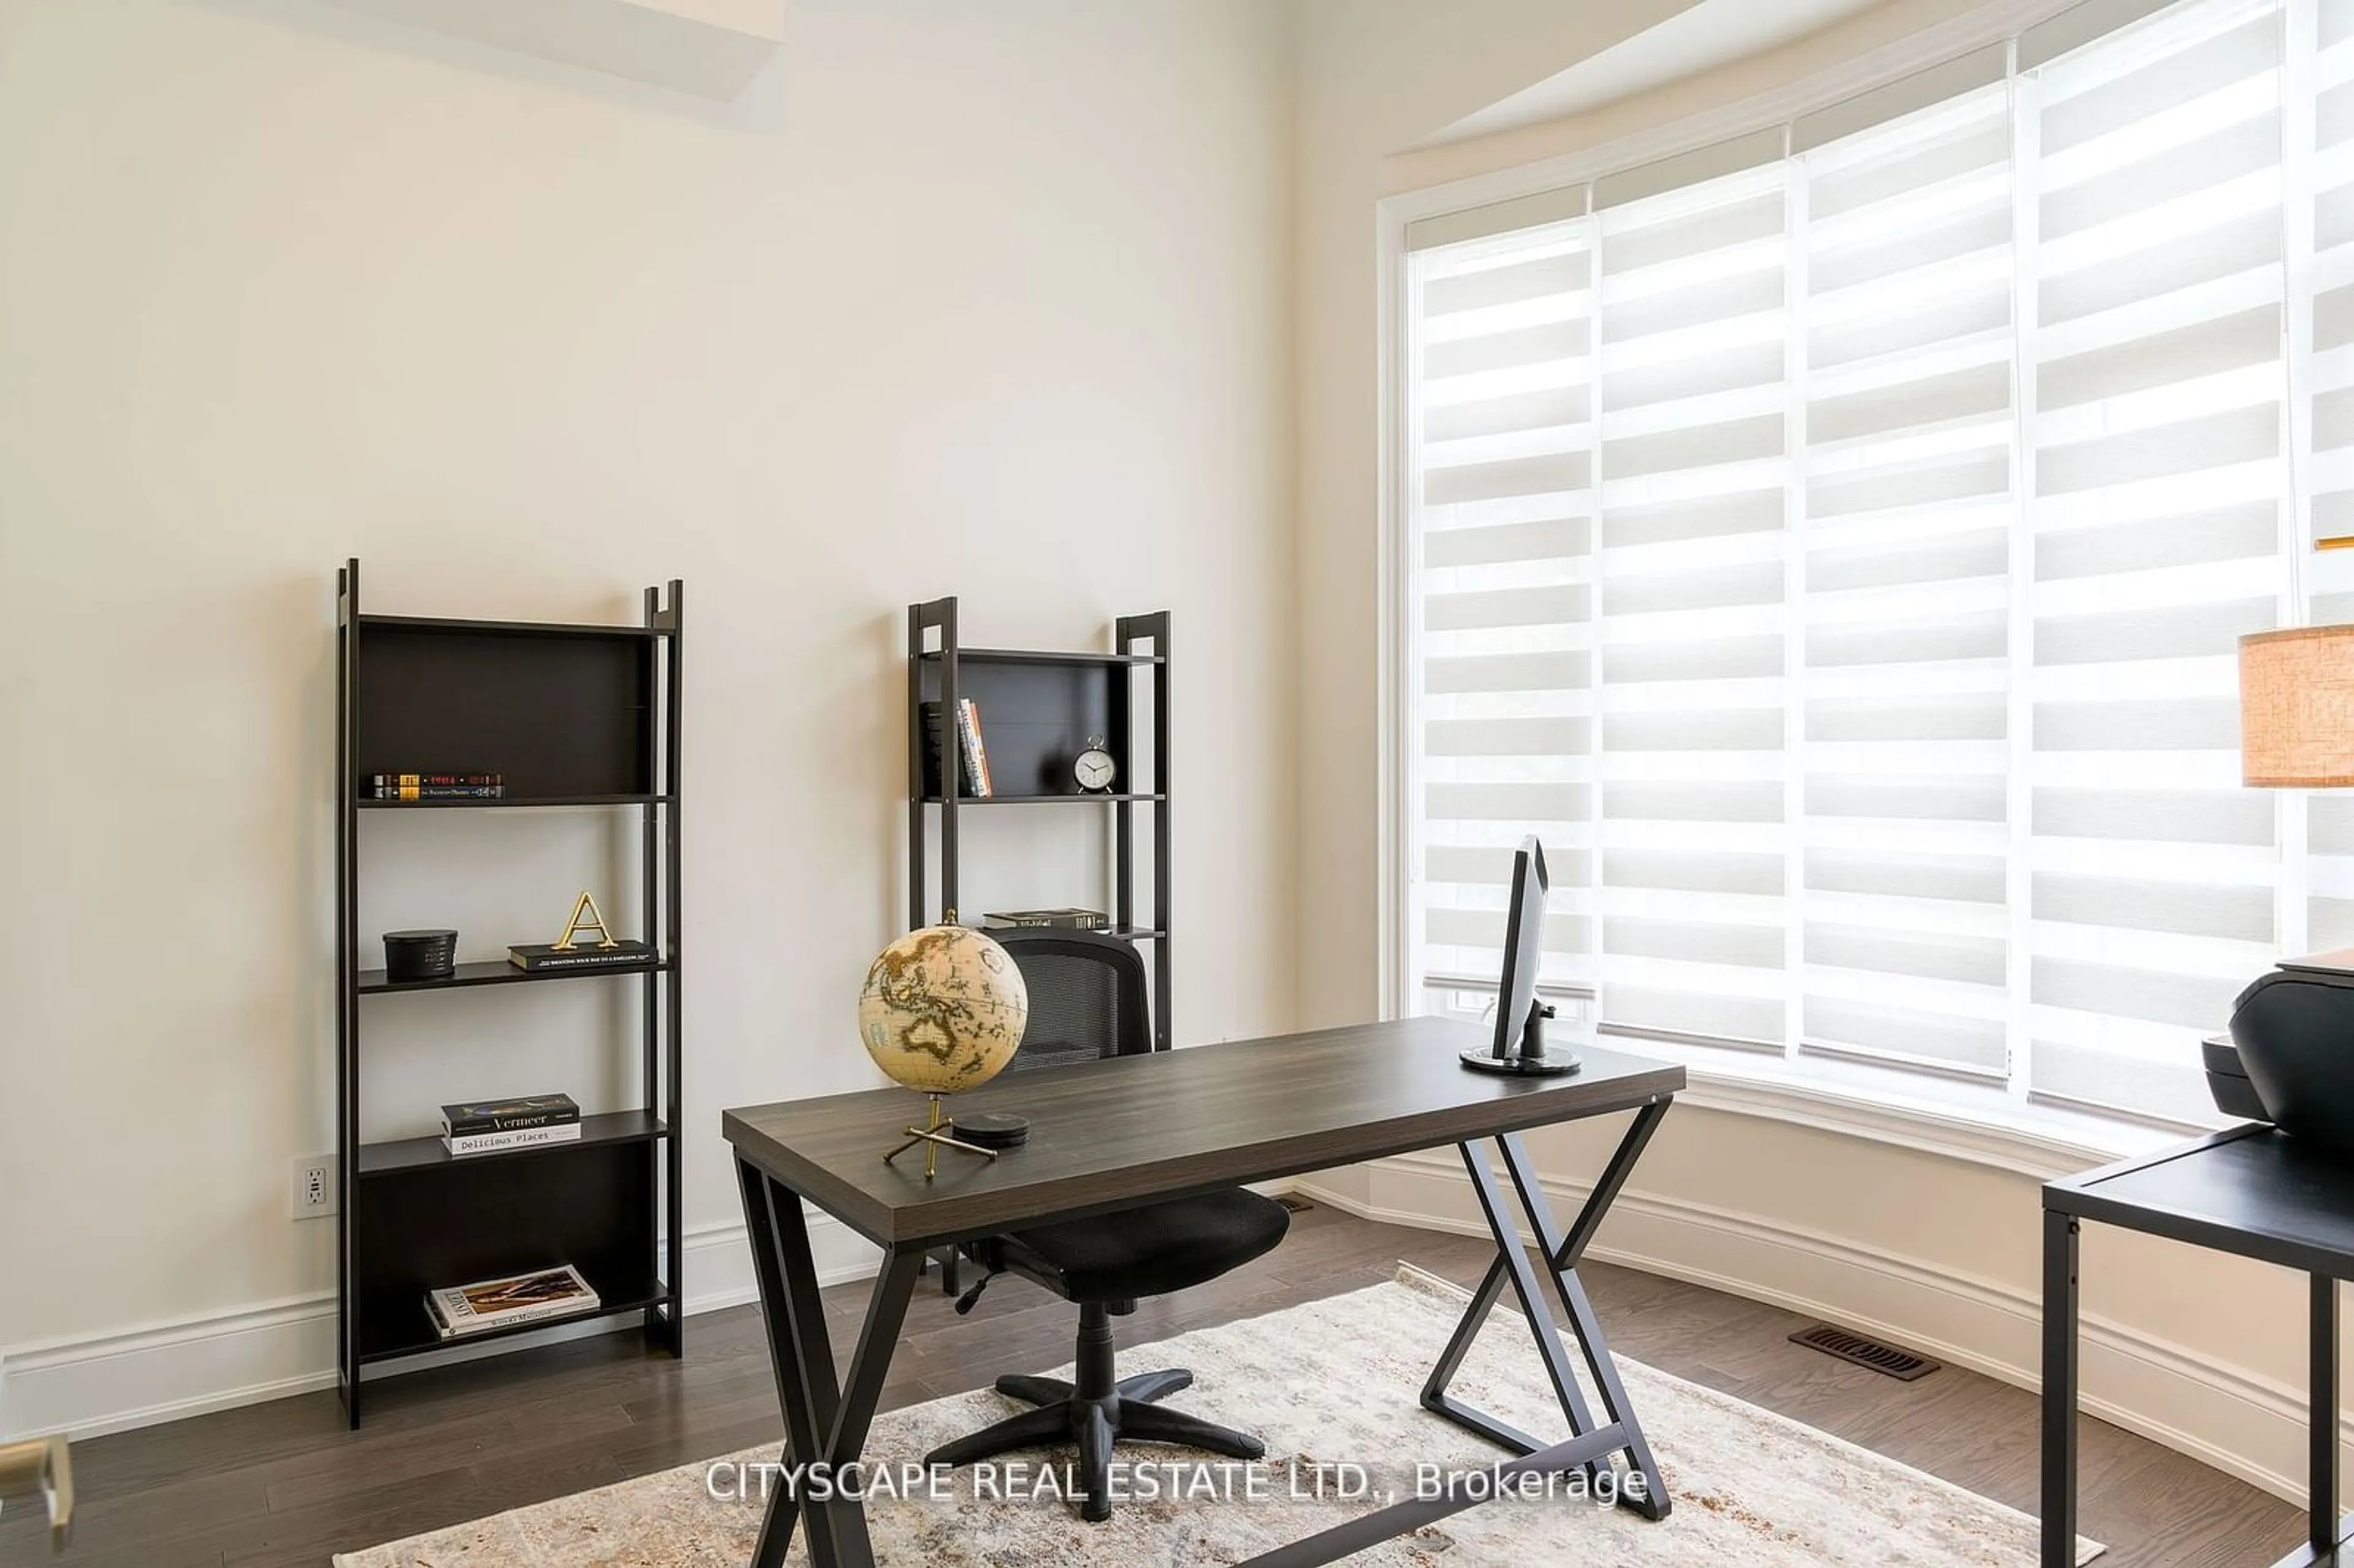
(2237, 1420)
(87, 1386)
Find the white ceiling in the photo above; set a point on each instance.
(1701, 38)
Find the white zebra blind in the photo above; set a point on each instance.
(1839, 562)
(2156, 518)
(1694, 389)
(1503, 495)
(1908, 506)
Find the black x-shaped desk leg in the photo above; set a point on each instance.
(825, 1423)
(1563, 1254)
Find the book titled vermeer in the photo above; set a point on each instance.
(509, 1115)
(545, 1293)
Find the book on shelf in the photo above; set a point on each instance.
(461, 1145)
(518, 1114)
(934, 752)
(1047, 919)
(397, 780)
(434, 792)
(976, 752)
(546, 957)
(536, 1297)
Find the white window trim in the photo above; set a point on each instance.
(1977, 1124)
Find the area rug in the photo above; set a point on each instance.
(1332, 1387)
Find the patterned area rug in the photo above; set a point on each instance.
(1329, 1385)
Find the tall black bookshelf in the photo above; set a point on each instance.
(1039, 710)
(571, 715)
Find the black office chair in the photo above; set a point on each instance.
(1087, 1001)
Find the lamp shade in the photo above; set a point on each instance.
(2296, 709)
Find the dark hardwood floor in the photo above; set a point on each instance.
(279, 1485)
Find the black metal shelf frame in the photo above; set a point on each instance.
(1039, 703)
(611, 1200)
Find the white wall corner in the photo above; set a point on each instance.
(2241, 1422)
(709, 48)
(89, 1386)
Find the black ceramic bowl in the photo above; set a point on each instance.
(2295, 1030)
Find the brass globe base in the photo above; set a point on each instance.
(930, 1136)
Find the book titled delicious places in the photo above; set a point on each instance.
(485, 1127)
(490, 1304)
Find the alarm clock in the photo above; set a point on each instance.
(1093, 770)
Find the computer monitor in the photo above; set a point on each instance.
(1520, 1046)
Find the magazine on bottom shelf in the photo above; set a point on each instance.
(542, 1294)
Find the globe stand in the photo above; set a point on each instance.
(931, 1137)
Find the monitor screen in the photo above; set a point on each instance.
(1524, 947)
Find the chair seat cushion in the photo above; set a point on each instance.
(1149, 1251)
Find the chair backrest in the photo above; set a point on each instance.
(1086, 998)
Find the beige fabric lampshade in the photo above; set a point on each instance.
(2296, 709)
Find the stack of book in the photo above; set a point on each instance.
(489, 1127)
(533, 1298)
(973, 774)
(1045, 919)
(433, 786)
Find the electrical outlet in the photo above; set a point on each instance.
(314, 1192)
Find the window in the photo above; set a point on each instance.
(1833, 544)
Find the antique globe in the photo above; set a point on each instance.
(943, 1012)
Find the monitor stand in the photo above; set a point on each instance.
(1529, 1060)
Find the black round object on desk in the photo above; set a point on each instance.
(420, 954)
(992, 1129)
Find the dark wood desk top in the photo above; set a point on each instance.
(1111, 1135)
(2251, 1189)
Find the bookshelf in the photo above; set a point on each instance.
(577, 716)
(1038, 710)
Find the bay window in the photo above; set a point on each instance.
(1833, 544)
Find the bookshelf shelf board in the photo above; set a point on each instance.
(1033, 798)
(499, 971)
(512, 801)
(1039, 656)
(417, 1333)
(431, 624)
(405, 1154)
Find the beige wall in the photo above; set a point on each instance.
(1939, 1252)
(989, 301)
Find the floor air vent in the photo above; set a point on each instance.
(1863, 1352)
(1295, 1202)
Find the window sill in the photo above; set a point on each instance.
(1982, 1126)
(1975, 1121)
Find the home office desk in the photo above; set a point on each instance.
(2250, 1189)
(1112, 1135)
